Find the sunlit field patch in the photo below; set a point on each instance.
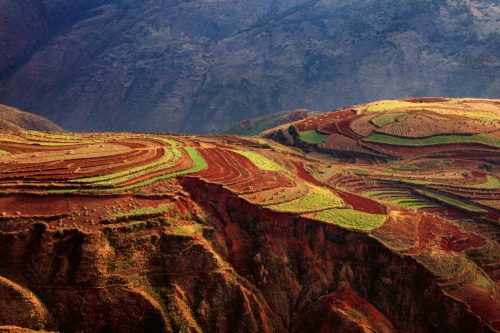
(317, 198)
(260, 161)
(351, 219)
(312, 137)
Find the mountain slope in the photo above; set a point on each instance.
(257, 125)
(132, 232)
(14, 119)
(197, 66)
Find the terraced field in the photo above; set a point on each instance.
(373, 182)
(57, 165)
(434, 164)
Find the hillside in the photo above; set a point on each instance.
(254, 126)
(386, 219)
(197, 66)
(14, 119)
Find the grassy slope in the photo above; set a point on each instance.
(351, 219)
(12, 119)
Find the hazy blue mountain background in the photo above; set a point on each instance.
(201, 65)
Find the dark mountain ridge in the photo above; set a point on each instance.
(199, 66)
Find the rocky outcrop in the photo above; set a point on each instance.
(21, 307)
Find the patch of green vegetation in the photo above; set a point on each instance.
(51, 135)
(386, 106)
(351, 219)
(360, 172)
(145, 211)
(484, 139)
(400, 197)
(492, 183)
(188, 230)
(415, 203)
(386, 119)
(485, 255)
(260, 161)
(3, 152)
(318, 198)
(452, 201)
(313, 137)
(381, 193)
(38, 143)
(64, 191)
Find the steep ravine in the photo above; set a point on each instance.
(247, 270)
(307, 260)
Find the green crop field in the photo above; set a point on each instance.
(452, 201)
(400, 197)
(415, 203)
(351, 219)
(484, 139)
(377, 194)
(386, 119)
(260, 161)
(318, 198)
(313, 137)
(492, 183)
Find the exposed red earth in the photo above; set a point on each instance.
(126, 232)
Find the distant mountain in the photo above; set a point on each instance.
(197, 66)
(257, 125)
(12, 119)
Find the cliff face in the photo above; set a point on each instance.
(234, 267)
(198, 66)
